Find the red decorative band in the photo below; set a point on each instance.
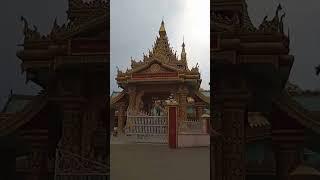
(154, 75)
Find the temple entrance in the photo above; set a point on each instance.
(150, 123)
(159, 111)
(159, 82)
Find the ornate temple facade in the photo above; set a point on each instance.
(151, 82)
(63, 130)
(263, 125)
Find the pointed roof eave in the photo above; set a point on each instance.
(12, 96)
(21, 118)
(203, 97)
(294, 109)
(114, 100)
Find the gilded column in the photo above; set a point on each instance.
(89, 126)
(233, 120)
(121, 117)
(229, 150)
(71, 126)
(199, 110)
(216, 152)
(182, 94)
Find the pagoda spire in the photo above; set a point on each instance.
(161, 49)
(183, 52)
(162, 30)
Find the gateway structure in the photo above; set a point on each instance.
(141, 108)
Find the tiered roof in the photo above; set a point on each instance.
(80, 13)
(162, 52)
(86, 24)
(241, 22)
(165, 60)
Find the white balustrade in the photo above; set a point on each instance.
(192, 125)
(147, 128)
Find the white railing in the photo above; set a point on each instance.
(191, 125)
(151, 129)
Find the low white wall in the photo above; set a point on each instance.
(193, 140)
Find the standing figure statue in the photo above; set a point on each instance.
(138, 102)
(157, 109)
(132, 100)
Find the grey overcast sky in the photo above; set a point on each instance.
(137, 25)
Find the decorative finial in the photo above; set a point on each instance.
(162, 28)
(183, 45)
(279, 8)
(183, 52)
(55, 23)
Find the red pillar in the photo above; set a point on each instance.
(172, 125)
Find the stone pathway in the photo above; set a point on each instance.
(158, 162)
(124, 139)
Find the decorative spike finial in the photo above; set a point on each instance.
(162, 30)
(279, 8)
(183, 52)
(183, 45)
(55, 21)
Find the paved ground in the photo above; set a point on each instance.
(158, 162)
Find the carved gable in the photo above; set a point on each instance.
(155, 68)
